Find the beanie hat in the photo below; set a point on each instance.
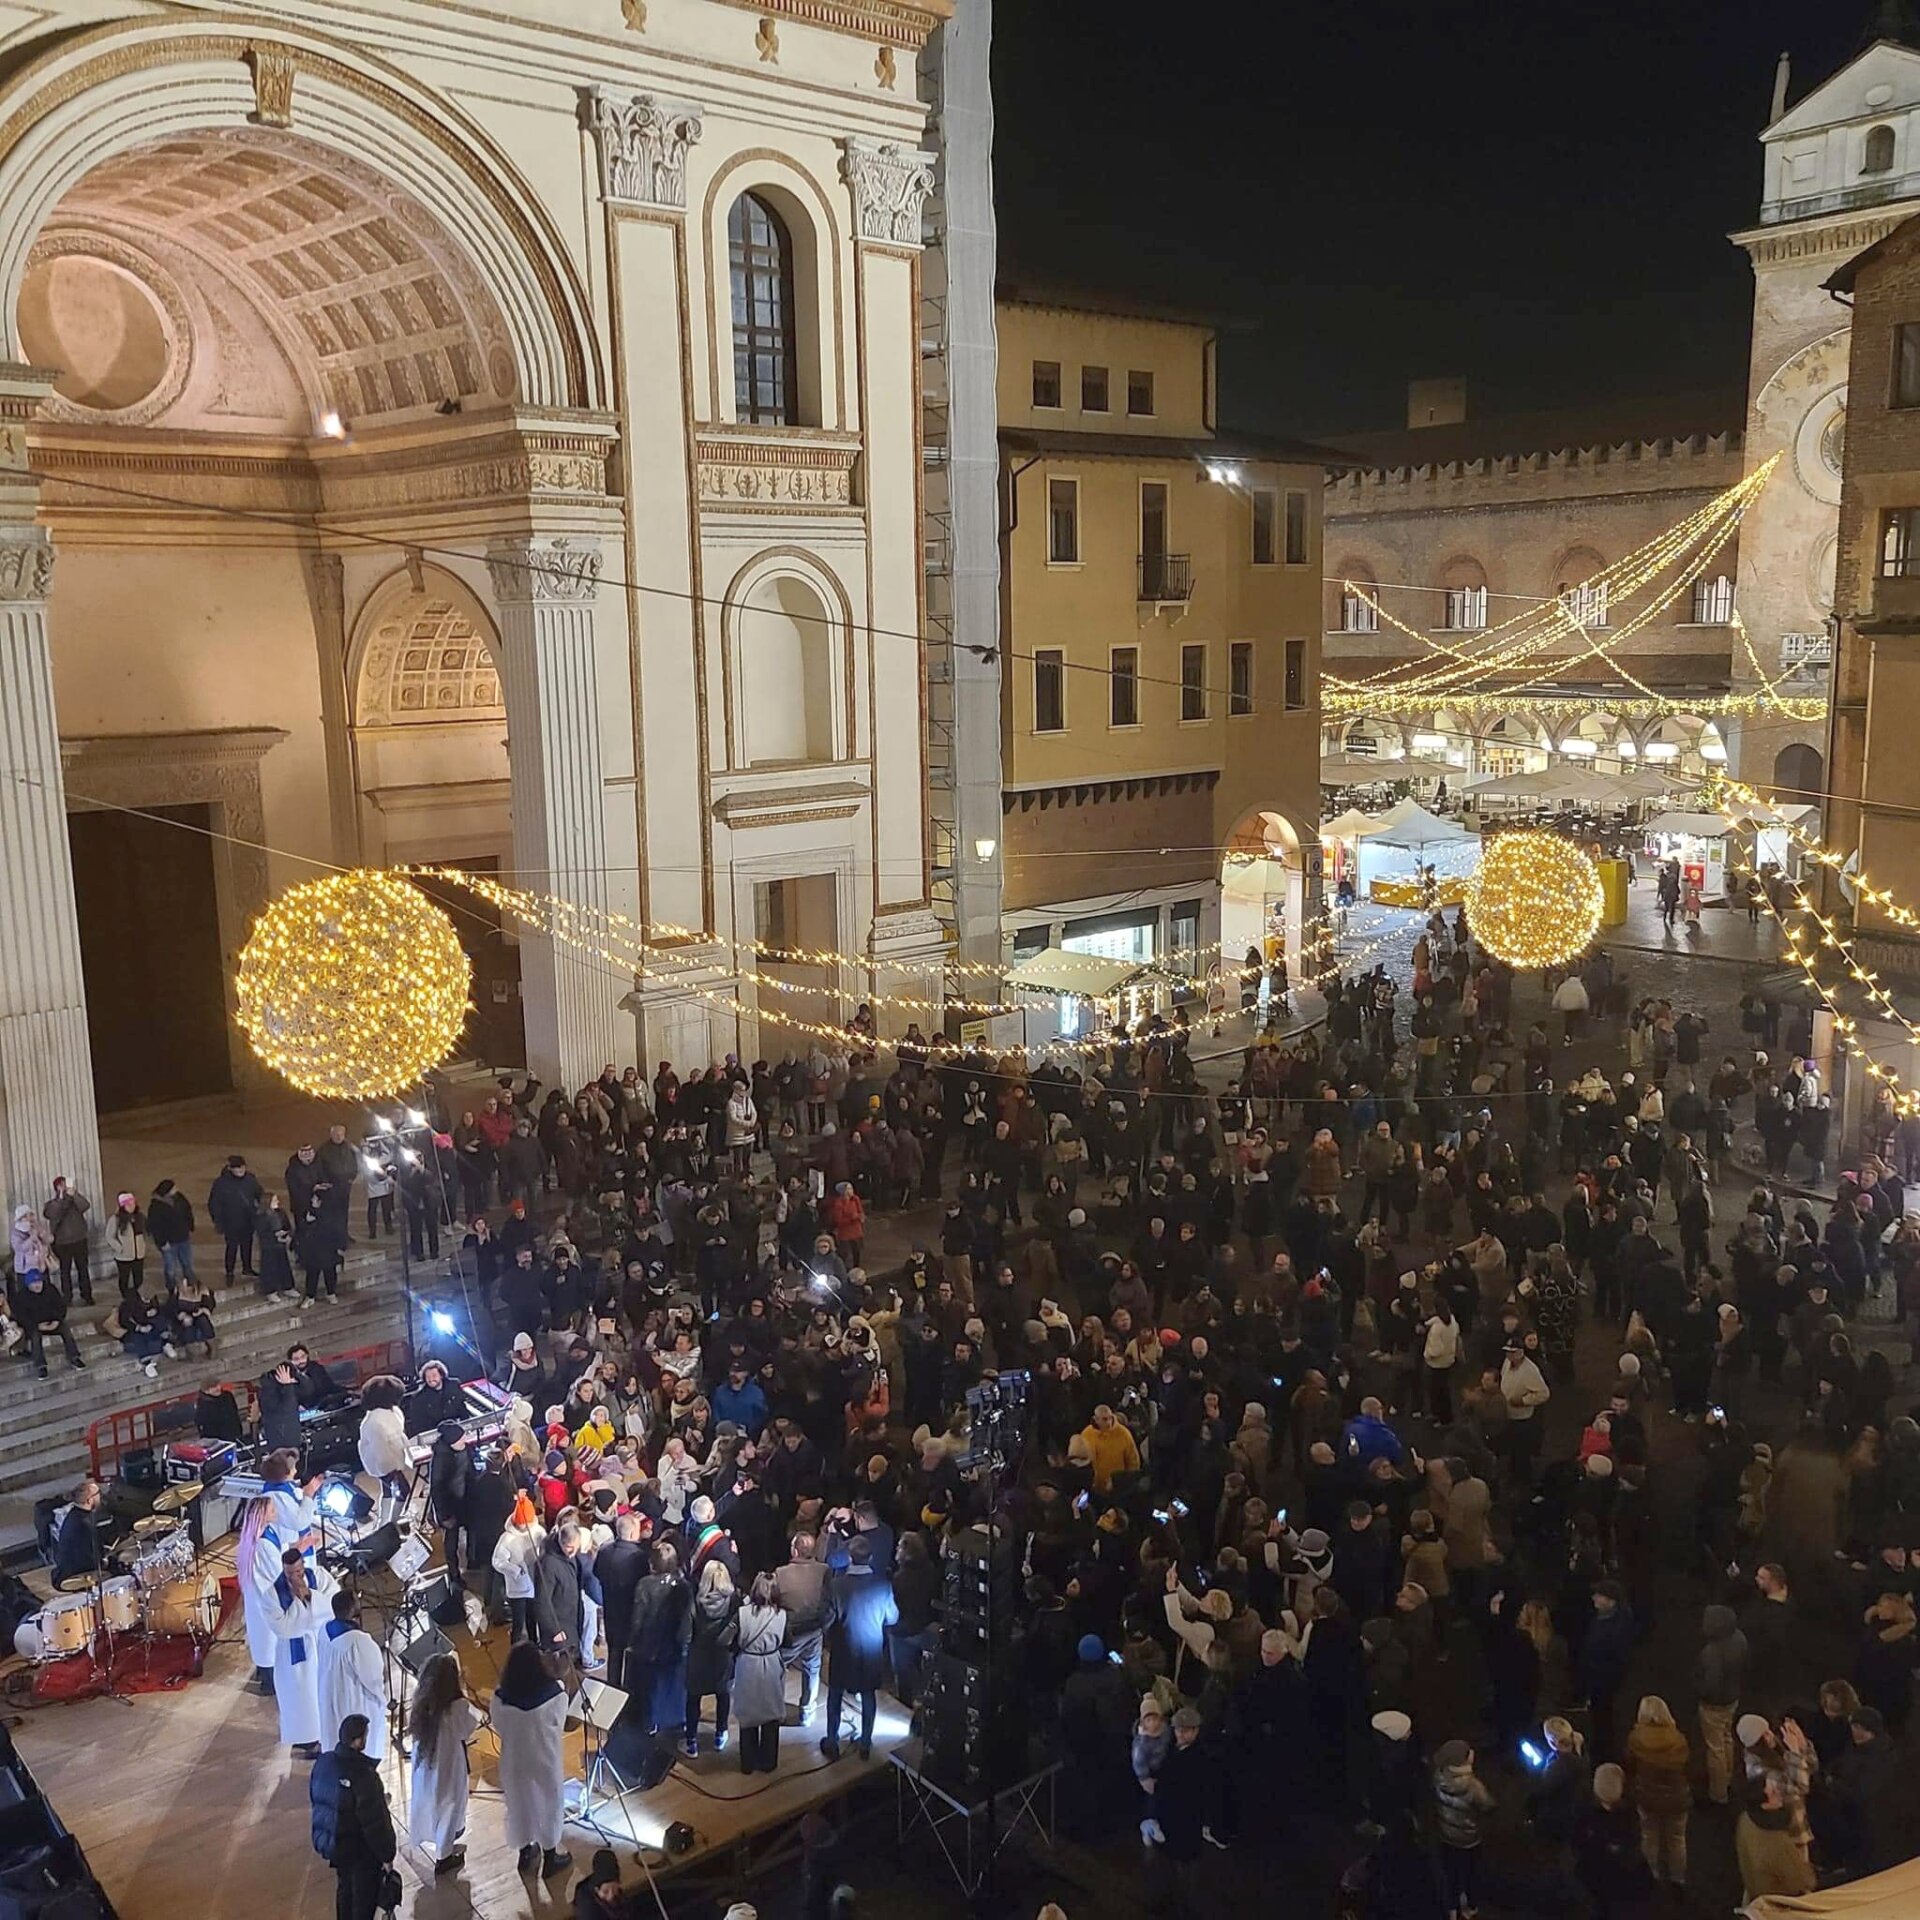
(1630, 1365)
(1751, 1728)
(1870, 1719)
(1092, 1648)
(1187, 1717)
(1396, 1726)
(1150, 1703)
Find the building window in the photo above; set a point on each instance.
(1906, 364)
(1193, 683)
(1358, 611)
(1900, 541)
(1093, 389)
(766, 363)
(1712, 601)
(1877, 155)
(1063, 522)
(1266, 511)
(1466, 609)
(1296, 675)
(1296, 528)
(1046, 383)
(1124, 699)
(1585, 603)
(1240, 679)
(1139, 392)
(1049, 690)
(1183, 935)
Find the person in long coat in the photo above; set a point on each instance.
(300, 1604)
(441, 1720)
(352, 1677)
(860, 1608)
(529, 1711)
(716, 1632)
(760, 1678)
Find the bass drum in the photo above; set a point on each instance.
(185, 1606)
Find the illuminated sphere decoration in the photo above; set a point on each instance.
(1536, 900)
(352, 987)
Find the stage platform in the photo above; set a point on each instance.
(186, 1803)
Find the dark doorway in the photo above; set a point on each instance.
(497, 1032)
(150, 951)
(1797, 771)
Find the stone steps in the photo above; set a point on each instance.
(43, 1423)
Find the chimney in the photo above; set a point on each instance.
(1782, 72)
(1437, 403)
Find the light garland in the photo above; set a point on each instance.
(354, 986)
(1536, 899)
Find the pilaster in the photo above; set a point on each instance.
(48, 1124)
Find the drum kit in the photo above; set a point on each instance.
(156, 1587)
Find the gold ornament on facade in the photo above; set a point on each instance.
(353, 987)
(273, 74)
(634, 13)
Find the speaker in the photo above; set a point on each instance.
(373, 1550)
(641, 1759)
(414, 1653)
(963, 1745)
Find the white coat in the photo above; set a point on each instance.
(532, 1770)
(383, 1442)
(297, 1625)
(293, 1516)
(437, 1804)
(515, 1555)
(352, 1680)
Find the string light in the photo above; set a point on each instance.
(354, 986)
(1536, 899)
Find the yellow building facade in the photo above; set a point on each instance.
(1160, 609)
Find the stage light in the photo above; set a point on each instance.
(441, 1320)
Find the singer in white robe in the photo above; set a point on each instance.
(437, 1805)
(281, 1517)
(299, 1618)
(529, 1711)
(352, 1680)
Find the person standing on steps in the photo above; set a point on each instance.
(66, 1216)
(233, 1205)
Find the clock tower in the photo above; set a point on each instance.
(1842, 170)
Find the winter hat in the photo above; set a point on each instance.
(1316, 1554)
(1150, 1703)
(1187, 1717)
(1076, 1216)
(523, 1343)
(128, 1201)
(1599, 1467)
(1092, 1648)
(1869, 1719)
(1169, 1338)
(1396, 1726)
(1376, 1633)
(1751, 1728)
(741, 1910)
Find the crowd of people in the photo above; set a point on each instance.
(1337, 1507)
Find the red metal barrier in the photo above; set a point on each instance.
(110, 1439)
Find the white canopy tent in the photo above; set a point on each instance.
(1407, 838)
(1409, 826)
(1351, 825)
(1058, 991)
(1692, 826)
(1584, 785)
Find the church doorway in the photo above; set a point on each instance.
(150, 954)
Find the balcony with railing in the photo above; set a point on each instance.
(1166, 579)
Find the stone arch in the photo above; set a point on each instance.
(1799, 773)
(102, 93)
(435, 613)
(1269, 869)
(815, 235)
(788, 662)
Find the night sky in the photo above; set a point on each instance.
(1534, 195)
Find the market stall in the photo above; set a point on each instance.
(1078, 996)
(1413, 858)
(1698, 841)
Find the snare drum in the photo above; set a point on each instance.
(163, 1557)
(68, 1624)
(185, 1606)
(120, 1603)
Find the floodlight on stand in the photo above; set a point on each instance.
(340, 1499)
(440, 1320)
(415, 1118)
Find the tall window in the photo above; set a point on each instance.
(1063, 522)
(1296, 529)
(1296, 675)
(1906, 364)
(1193, 683)
(1046, 383)
(1358, 611)
(1466, 609)
(1239, 678)
(1139, 392)
(1712, 601)
(1266, 511)
(1124, 700)
(1093, 389)
(766, 362)
(1900, 541)
(1585, 602)
(1049, 690)
(1877, 156)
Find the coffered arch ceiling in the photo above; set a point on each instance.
(247, 280)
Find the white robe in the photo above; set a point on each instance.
(297, 1627)
(293, 1516)
(532, 1770)
(437, 1802)
(352, 1680)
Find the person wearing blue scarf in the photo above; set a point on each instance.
(301, 1601)
(352, 1677)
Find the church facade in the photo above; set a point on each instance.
(404, 463)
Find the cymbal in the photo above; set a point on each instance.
(156, 1523)
(174, 1498)
(76, 1583)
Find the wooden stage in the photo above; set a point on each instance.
(187, 1804)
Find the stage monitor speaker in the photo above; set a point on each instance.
(428, 1644)
(641, 1759)
(441, 1599)
(373, 1550)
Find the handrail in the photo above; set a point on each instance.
(112, 1437)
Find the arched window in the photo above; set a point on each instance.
(1463, 602)
(766, 373)
(1877, 157)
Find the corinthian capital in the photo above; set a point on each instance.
(890, 185)
(643, 142)
(542, 571)
(26, 564)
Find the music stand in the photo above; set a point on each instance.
(597, 1706)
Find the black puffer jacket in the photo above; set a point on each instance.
(352, 1824)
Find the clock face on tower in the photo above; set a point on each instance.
(1802, 411)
